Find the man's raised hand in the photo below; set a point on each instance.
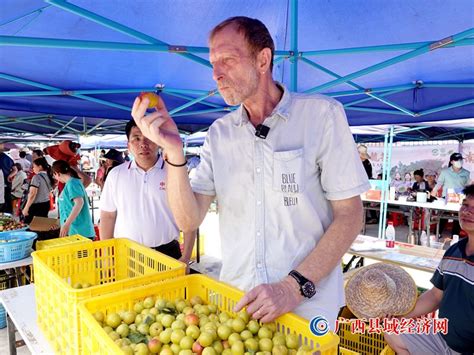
(157, 126)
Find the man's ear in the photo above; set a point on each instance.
(264, 60)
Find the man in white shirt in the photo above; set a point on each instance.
(286, 172)
(134, 205)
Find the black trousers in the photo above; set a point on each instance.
(7, 207)
(171, 249)
(37, 209)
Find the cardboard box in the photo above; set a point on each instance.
(43, 224)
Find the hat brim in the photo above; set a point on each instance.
(402, 302)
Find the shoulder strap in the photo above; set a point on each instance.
(48, 185)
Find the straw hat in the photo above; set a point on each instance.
(380, 289)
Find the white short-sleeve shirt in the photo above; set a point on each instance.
(140, 200)
(274, 194)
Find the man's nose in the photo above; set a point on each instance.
(217, 73)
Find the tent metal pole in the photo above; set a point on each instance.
(378, 110)
(97, 45)
(200, 112)
(71, 92)
(281, 53)
(183, 91)
(63, 127)
(422, 50)
(13, 129)
(48, 87)
(6, 119)
(186, 97)
(294, 45)
(193, 102)
(447, 107)
(279, 59)
(404, 130)
(389, 90)
(70, 127)
(370, 98)
(387, 176)
(119, 27)
(384, 179)
(382, 48)
(29, 122)
(357, 86)
(188, 50)
(450, 134)
(96, 126)
(448, 85)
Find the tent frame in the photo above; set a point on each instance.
(294, 56)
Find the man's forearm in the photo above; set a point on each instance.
(181, 197)
(189, 240)
(333, 244)
(106, 228)
(427, 303)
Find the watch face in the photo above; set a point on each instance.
(308, 289)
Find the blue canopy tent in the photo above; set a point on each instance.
(75, 66)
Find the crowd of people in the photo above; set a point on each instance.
(454, 176)
(28, 189)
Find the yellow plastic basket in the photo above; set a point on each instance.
(96, 341)
(109, 265)
(367, 343)
(59, 242)
(344, 351)
(387, 351)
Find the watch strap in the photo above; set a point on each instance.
(301, 280)
(298, 277)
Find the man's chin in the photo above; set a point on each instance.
(231, 101)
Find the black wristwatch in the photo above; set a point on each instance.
(307, 287)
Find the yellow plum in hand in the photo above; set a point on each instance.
(153, 98)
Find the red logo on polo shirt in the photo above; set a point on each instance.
(162, 185)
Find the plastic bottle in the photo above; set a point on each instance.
(454, 240)
(424, 239)
(411, 238)
(390, 236)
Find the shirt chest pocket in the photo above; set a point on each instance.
(288, 171)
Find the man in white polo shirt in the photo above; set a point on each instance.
(133, 203)
(286, 172)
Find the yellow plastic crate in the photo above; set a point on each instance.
(96, 341)
(344, 351)
(59, 242)
(387, 351)
(367, 343)
(110, 265)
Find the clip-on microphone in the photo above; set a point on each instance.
(261, 131)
